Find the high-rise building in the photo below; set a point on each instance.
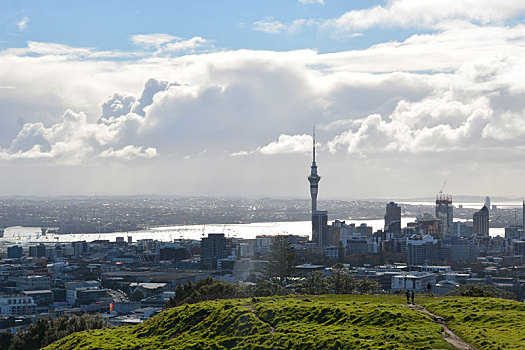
(421, 249)
(523, 223)
(393, 218)
(14, 252)
(444, 212)
(513, 232)
(480, 226)
(37, 251)
(487, 202)
(320, 230)
(213, 248)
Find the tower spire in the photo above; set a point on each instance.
(314, 146)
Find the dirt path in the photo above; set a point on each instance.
(254, 312)
(447, 334)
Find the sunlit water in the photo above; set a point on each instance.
(18, 234)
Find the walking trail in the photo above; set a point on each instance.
(254, 312)
(446, 334)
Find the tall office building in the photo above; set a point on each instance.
(213, 248)
(14, 252)
(444, 212)
(421, 249)
(319, 218)
(481, 222)
(320, 231)
(393, 218)
(37, 251)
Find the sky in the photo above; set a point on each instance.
(219, 98)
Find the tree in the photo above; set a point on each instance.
(207, 289)
(137, 295)
(268, 289)
(368, 285)
(47, 331)
(340, 252)
(482, 290)
(281, 260)
(343, 283)
(315, 283)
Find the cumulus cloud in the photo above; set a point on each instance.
(454, 97)
(468, 115)
(433, 14)
(269, 26)
(74, 140)
(288, 144)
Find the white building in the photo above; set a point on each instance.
(17, 305)
(32, 282)
(413, 280)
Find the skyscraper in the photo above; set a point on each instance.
(393, 218)
(444, 212)
(213, 248)
(319, 218)
(481, 222)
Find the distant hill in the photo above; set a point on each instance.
(320, 322)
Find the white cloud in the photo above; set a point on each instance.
(185, 45)
(22, 24)
(129, 152)
(242, 153)
(468, 115)
(309, 2)
(377, 108)
(152, 40)
(269, 26)
(165, 43)
(74, 140)
(287, 144)
(435, 14)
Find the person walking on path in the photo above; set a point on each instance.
(429, 288)
(412, 296)
(408, 296)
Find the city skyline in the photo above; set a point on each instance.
(219, 99)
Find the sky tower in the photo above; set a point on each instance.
(314, 180)
(319, 218)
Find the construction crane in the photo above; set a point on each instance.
(443, 187)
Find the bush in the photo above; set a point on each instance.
(46, 331)
(482, 290)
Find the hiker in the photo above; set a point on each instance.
(408, 296)
(429, 288)
(412, 296)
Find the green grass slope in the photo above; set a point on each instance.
(486, 323)
(320, 322)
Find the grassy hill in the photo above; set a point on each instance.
(317, 322)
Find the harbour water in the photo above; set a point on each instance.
(18, 234)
